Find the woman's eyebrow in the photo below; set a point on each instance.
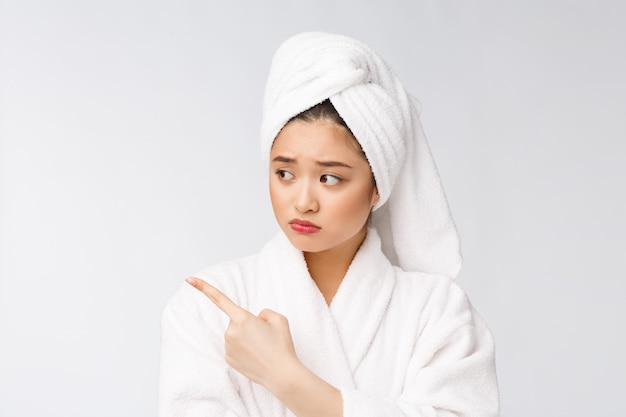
(284, 159)
(333, 164)
(287, 160)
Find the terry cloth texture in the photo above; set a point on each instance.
(396, 343)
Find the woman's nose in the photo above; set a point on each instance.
(305, 198)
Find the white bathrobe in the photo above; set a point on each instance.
(395, 343)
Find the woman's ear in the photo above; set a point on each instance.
(375, 196)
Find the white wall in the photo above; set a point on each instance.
(129, 160)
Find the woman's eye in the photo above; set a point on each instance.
(330, 179)
(284, 175)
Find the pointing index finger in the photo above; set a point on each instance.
(218, 298)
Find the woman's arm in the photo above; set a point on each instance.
(450, 374)
(261, 348)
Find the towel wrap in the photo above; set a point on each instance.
(412, 216)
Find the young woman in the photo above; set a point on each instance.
(351, 310)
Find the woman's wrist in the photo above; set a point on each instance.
(303, 392)
(282, 380)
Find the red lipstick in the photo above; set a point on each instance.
(302, 226)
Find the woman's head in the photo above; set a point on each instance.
(410, 212)
(321, 184)
(313, 67)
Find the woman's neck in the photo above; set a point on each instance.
(329, 267)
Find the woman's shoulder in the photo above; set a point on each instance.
(229, 277)
(435, 293)
(238, 278)
(226, 273)
(422, 281)
(438, 308)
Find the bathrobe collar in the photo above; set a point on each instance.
(341, 333)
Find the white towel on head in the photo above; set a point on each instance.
(412, 216)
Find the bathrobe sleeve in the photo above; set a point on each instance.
(195, 381)
(451, 371)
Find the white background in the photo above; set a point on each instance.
(129, 159)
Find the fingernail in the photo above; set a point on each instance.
(191, 282)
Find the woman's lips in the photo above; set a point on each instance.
(302, 226)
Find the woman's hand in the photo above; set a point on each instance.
(259, 347)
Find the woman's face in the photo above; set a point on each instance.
(320, 186)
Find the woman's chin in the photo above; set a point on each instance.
(304, 242)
